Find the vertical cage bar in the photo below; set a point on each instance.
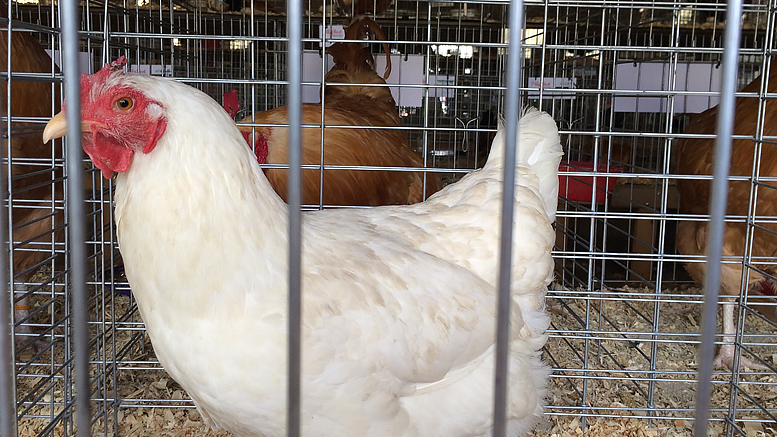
(513, 82)
(76, 216)
(719, 187)
(7, 396)
(294, 33)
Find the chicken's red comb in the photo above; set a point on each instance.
(119, 63)
(88, 80)
(231, 103)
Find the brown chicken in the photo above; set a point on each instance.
(37, 225)
(695, 157)
(348, 106)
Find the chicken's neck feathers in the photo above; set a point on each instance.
(217, 153)
(199, 188)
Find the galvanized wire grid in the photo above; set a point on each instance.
(626, 317)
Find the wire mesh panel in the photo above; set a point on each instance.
(36, 227)
(630, 86)
(627, 313)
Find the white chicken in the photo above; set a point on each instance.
(398, 302)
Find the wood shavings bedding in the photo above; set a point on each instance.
(608, 366)
(639, 358)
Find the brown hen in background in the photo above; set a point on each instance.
(695, 156)
(33, 171)
(369, 106)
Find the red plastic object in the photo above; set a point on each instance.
(578, 188)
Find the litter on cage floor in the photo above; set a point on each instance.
(617, 374)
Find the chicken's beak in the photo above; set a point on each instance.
(55, 128)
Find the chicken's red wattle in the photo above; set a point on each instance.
(260, 147)
(106, 155)
(231, 104)
(767, 288)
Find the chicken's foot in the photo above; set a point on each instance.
(727, 352)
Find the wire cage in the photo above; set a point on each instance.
(622, 80)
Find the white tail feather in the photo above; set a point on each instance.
(538, 148)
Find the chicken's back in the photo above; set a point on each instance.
(695, 156)
(368, 146)
(461, 223)
(375, 100)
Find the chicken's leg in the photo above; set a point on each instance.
(21, 310)
(725, 358)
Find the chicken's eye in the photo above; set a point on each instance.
(124, 103)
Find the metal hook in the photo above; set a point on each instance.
(465, 125)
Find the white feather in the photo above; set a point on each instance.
(398, 302)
